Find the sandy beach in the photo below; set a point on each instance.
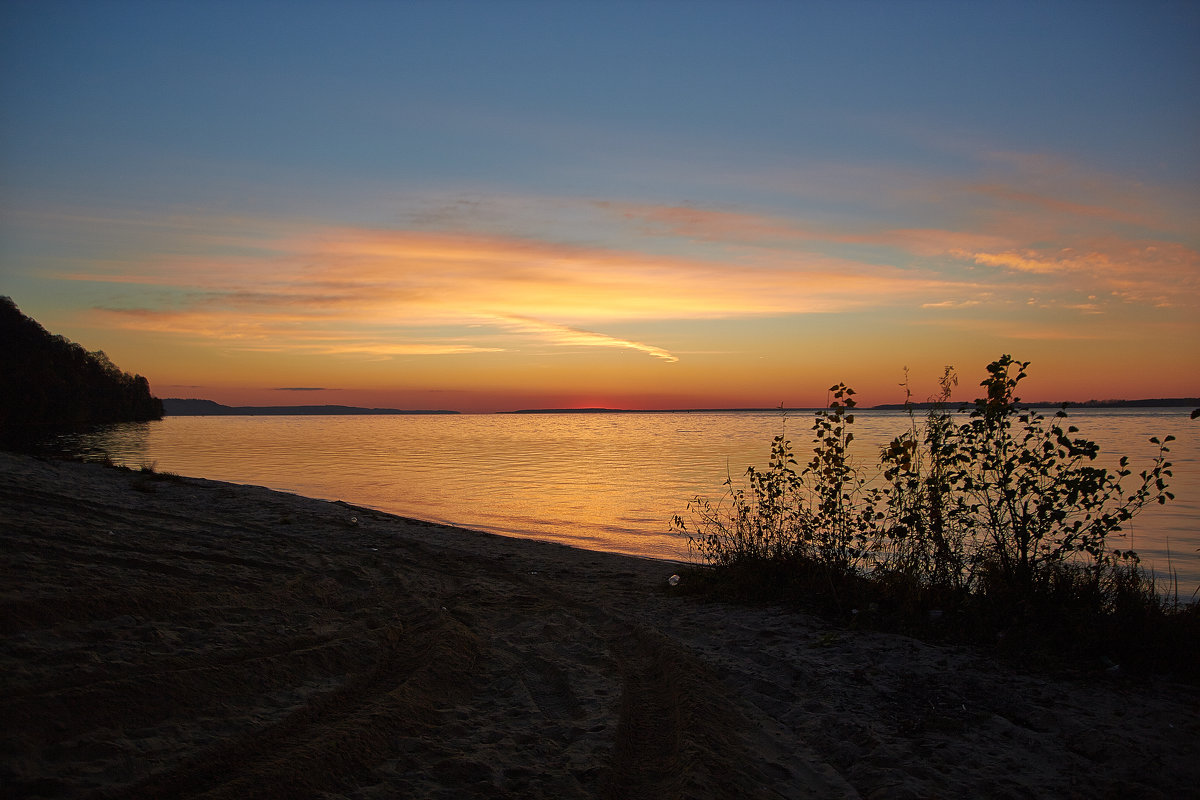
(168, 637)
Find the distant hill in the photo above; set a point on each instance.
(1160, 402)
(1170, 402)
(177, 407)
(652, 410)
(50, 380)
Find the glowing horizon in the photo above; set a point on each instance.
(743, 236)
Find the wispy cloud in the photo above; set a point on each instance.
(371, 291)
(952, 304)
(1156, 273)
(1077, 244)
(565, 335)
(1035, 224)
(262, 330)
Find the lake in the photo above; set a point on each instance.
(598, 481)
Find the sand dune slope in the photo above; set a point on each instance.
(186, 638)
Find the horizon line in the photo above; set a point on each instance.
(1162, 402)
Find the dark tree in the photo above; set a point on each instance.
(50, 380)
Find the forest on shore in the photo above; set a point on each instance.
(46, 379)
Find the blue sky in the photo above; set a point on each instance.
(259, 189)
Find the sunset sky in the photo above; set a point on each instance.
(495, 205)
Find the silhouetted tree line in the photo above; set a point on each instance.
(48, 379)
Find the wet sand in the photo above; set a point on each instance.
(184, 638)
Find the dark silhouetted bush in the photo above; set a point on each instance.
(1000, 520)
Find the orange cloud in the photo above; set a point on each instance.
(731, 228)
(1161, 274)
(276, 332)
(1022, 263)
(1157, 272)
(562, 334)
(283, 285)
(366, 290)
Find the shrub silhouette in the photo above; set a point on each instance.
(1006, 506)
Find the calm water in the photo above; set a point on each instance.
(602, 481)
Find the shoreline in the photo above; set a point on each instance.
(171, 637)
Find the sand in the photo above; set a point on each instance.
(185, 638)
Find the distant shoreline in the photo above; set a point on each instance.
(1162, 402)
(1169, 402)
(176, 407)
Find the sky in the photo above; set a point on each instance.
(486, 206)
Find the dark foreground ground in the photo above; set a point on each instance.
(178, 638)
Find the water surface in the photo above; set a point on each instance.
(598, 481)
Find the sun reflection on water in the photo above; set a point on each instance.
(598, 481)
